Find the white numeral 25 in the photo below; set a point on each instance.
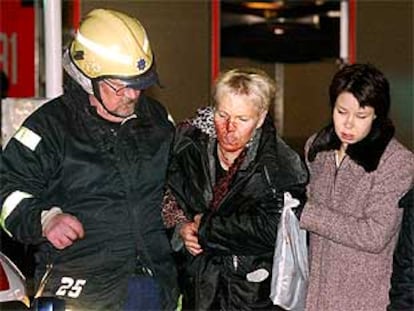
(70, 287)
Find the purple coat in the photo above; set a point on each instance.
(353, 219)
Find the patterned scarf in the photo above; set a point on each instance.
(221, 188)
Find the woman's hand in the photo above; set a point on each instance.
(189, 235)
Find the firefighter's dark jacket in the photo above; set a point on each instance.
(238, 238)
(402, 280)
(109, 176)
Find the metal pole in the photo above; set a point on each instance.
(344, 32)
(53, 47)
(279, 100)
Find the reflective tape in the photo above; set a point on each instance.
(10, 204)
(27, 137)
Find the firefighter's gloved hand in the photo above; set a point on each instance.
(61, 229)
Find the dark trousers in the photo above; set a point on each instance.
(143, 294)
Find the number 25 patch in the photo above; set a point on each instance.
(70, 287)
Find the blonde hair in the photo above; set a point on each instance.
(250, 82)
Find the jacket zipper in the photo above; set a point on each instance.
(235, 262)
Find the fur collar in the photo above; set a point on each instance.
(366, 153)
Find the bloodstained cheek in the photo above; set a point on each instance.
(221, 129)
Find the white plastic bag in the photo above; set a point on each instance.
(290, 261)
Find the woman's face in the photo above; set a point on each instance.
(352, 122)
(236, 117)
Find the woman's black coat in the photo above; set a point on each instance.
(238, 238)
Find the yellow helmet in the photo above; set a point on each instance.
(111, 44)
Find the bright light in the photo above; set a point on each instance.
(264, 5)
(278, 31)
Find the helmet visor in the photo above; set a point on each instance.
(143, 81)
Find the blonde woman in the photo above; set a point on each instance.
(226, 181)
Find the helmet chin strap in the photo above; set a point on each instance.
(97, 94)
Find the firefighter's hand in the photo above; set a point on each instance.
(188, 233)
(62, 230)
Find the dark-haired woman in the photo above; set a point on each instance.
(358, 173)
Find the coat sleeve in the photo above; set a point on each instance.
(382, 217)
(402, 280)
(172, 214)
(27, 164)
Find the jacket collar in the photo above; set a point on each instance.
(366, 153)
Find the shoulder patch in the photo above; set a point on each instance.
(27, 137)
